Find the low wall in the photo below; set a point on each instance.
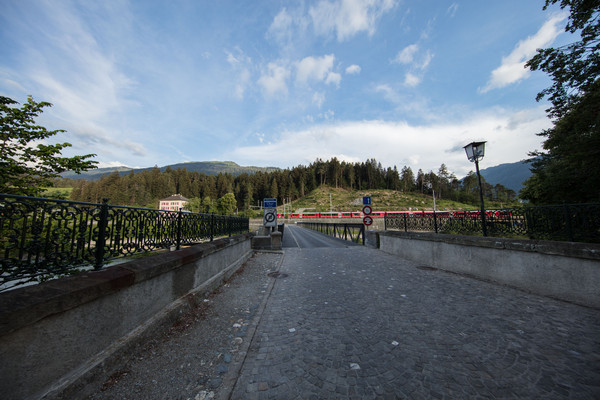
(60, 335)
(562, 270)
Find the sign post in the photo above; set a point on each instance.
(367, 210)
(270, 213)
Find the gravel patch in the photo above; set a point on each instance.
(192, 358)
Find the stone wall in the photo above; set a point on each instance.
(57, 335)
(562, 270)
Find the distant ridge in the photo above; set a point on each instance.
(510, 175)
(205, 167)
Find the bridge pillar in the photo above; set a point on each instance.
(276, 240)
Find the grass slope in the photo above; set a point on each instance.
(325, 198)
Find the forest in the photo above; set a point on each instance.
(146, 188)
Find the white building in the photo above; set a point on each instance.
(172, 203)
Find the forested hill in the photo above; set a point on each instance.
(205, 191)
(203, 167)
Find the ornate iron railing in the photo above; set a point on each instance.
(42, 238)
(568, 222)
(353, 232)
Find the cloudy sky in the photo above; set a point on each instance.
(281, 83)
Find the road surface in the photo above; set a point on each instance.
(295, 236)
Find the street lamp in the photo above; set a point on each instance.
(475, 152)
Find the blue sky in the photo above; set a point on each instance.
(281, 83)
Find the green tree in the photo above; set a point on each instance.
(25, 168)
(227, 204)
(209, 206)
(407, 178)
(194, 205)
(569, 169)
(273, 191)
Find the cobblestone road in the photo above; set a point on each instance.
(359, 323)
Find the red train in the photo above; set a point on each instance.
(381, 214)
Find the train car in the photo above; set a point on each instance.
(310, 215)
(381, 214)
(396, 213)
(329, 215)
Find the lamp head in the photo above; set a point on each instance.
(475, 151)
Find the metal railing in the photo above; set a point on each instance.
(568, 222)
(43, 238)
(347, 231)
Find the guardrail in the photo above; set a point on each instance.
(567, 222)
(43, 238)
(353, 232)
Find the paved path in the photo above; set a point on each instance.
(353, 322)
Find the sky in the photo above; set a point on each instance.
(282, 83)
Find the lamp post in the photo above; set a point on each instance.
(475, 152)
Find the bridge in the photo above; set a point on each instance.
(327, 318)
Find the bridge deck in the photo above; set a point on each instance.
(354, 322)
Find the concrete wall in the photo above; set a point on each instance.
(57, 336)
(562, 270)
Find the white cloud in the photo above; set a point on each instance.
(281, 25)
(318, 99)
(452, 10)
(240, 64)
(416, 61)
(353, 69)
(348, 17)
(288, 26)
(314, 69)
(411, 79)
(274, 80)
(111, 164)
(243, 82)
(513, 68)
(425, 61)
(510, 137)
(238, 58)
(388, 93)
(333, 77)
(406, 55)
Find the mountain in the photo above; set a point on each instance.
(206, 167)
(511, 175)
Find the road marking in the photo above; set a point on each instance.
(294, 237)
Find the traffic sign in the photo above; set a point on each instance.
(270, 217)
(270, 203)
(367, 210)
(368, 220)
(367, 200)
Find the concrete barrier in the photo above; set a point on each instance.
(58, 336)
(562, 270)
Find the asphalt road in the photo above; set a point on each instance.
(295, 236)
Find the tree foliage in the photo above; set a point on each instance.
(573, 68)
(569, 168)
(26, 167)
